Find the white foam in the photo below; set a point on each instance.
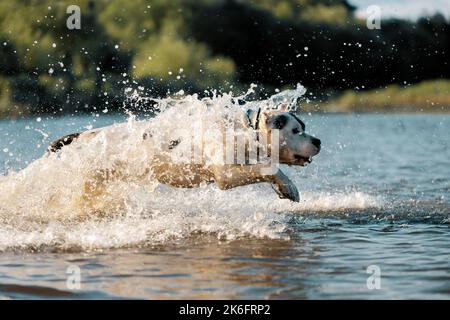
(167, 214)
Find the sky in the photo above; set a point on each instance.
(406, 9)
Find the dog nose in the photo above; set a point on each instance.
(316, 142)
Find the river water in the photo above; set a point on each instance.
(375, 205)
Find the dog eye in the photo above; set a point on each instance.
(295, 131)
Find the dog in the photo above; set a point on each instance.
(295, 147)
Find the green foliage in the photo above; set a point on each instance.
(50, 62)
(167, 45)
(5, 99)
(170, 58)
(321, 11)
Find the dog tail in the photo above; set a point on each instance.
(61, 142)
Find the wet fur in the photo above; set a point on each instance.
(193, 175)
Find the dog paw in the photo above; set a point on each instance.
(287, 191)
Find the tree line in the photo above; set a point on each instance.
(161, 46)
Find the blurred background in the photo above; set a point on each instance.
(159, 47)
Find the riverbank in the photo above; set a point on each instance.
(431, 96)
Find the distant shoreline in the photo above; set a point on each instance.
(431, 96)
(427, 97)
(393, 110)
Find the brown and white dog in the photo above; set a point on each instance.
(295, 148)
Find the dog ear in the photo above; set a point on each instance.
(277, 122)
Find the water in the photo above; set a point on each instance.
(377, 194)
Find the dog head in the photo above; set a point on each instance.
(295, 147)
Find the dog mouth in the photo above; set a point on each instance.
(302, 161)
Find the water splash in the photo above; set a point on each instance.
(45, 205)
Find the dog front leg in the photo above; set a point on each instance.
(227, 177)
(231, 176)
